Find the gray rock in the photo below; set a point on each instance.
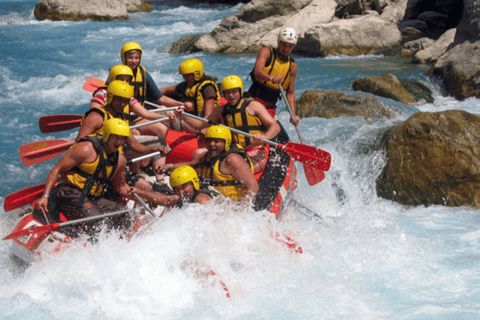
(412, 47)
(99, 10)
(364, 35)
(332, 104)
(459, 69)
(433, 52)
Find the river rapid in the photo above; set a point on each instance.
(363, 257)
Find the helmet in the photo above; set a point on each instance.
(115, 126)
(232, 82)
(129, 47)
(119, 88)
(119, 70)
(220, 132)
(288, 35)
(194, 66)
(182, 175)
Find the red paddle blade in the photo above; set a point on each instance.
(57, 123)
(317, 159)
(92, 84)
(23, 197)
(33, 230)
(313, 175)
(41, 151)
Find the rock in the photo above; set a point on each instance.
(468, 28)
(459, 70)
(432, 53)
(387, 86)
(98, 10)
(413, 24)
(184, 45)
(394, 11)
(364, 35)
(418, 90)
(332, 104)
(434, 19)
(433, 158)
(258, 23)
(412, 47)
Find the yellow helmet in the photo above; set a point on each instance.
(115, 126)
(194, 66)
(182, 175)
(129, 47)
(232, 82)
(220, 132)
(119, 70)
(119, 88)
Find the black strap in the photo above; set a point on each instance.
(105, 180)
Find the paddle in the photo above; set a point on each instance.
(317, 159)
(57, 225)
(62, 122)
(313, 176)
(57, 123)
(41, 151)
(92, 84)
(25, 196)
(22, 197)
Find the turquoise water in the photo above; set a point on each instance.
(364, 257)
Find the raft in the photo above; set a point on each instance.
(277, 182)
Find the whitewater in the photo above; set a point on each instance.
(363, 257)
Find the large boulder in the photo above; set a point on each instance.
(362, 35)
(99, 10)
(468, 28)
(333, 104)
(387, 86)
(459, 68)
(258, 23)
(433, 158)
(432, 53)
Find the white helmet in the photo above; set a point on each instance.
(288, 35)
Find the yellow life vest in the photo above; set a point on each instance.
(139, 82)
(270, 91)
(224, 183)
(93, 178)
(240, 119)
(106, 116)
(195, 94)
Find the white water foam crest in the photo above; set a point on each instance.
(160, 271)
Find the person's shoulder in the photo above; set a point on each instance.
(83, 148)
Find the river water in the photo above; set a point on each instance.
(363, 257)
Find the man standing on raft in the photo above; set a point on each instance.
(275, 67)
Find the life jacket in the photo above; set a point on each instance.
(106, 116)
(224, 183)
(139, 82)
(195, 94)
(94, 178)
(269, 91)
(240, 119)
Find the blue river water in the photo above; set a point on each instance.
(363, 257)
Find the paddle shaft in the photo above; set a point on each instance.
(290, 111)
(231, 129)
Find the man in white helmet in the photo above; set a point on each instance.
(275, 67)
